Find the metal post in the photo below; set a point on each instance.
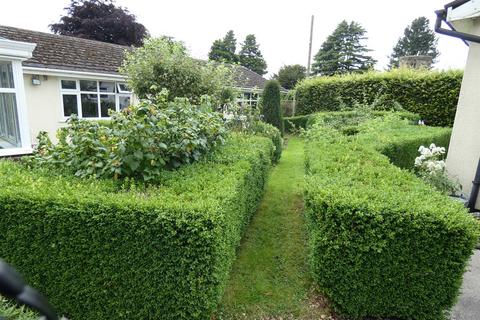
(310, 48)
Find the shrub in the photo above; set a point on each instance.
(267, 130)
(383, 243)
(430, 94)
(271, 110)
(398, 140)
(138, 142)
(295, 123)
(104, 249)
(165, 63)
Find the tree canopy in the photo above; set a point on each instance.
(251, 57)
(418, 39)
(271, 108)
(223, 50)
(100, 20)
(343, 51)
(288, 76)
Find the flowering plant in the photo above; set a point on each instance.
(430, 166)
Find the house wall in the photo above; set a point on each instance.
(43, 105)
(464, 150)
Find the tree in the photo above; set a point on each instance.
(251, 57)
(418, 39)
(271, 108)
(343, 51)
(165, 63)
(100, 20)
(288, 76)
(223, 50)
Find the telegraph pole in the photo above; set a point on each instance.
(310, 48)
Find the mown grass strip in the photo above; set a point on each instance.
(270, 278)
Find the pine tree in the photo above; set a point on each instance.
(343, 51)
(271, 108)
(223, 50)
(418, 39)
(251, 57)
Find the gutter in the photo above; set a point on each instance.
(442, 17)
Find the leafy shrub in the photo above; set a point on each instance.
(347, 121)
(165, 63)
(271, 109)
(398, 140)
(383, 243)
(267, 130)
(294, 123)
(432, 95)
(138, 142)
(105, 249)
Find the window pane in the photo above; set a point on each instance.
(69, 84)
(107, 86)
(6, 75)
(122, 88)
(9, 129)
(87, 85)
(107, 102)
(123, 102)
(70, 105)
(89, 105)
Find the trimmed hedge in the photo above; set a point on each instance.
(383, 243)
(307, 120)
(99, 249)
(431, 94)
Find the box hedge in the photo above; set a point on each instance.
(382, 242)
(431, 94)
(104, 250)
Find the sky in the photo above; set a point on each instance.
(282, 27)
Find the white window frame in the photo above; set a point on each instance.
(21, 105)
(78, 92)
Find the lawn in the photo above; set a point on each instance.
(270, 278)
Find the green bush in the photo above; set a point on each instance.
(383, 243)
(10, 311)
(271, 109)
(400, 141)
(165, 63)
(295, 123)
(104, 249)
(430, 94)
(267, 130)
(138, 142)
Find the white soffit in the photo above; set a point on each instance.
(16, 49)
(468, 10)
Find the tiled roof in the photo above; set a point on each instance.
(70, 53)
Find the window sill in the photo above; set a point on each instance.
(15, 152)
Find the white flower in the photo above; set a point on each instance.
(432, 146)
(421, 149)
(418, 161)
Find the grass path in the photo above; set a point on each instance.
(270, 276)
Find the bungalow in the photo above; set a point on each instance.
(44, 78)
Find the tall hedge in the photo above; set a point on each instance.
(431, 94)
(271, 108)
(101, 250)
(383, 243)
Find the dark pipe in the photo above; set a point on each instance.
(442, 16)
(475, 188)
(455, 4)
(13, 286)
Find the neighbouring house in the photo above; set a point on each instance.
(463, 20)
(44, 78)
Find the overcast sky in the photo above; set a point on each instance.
(281, 27)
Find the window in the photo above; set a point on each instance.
(9, 124)
(248, 99)
(93, 99)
